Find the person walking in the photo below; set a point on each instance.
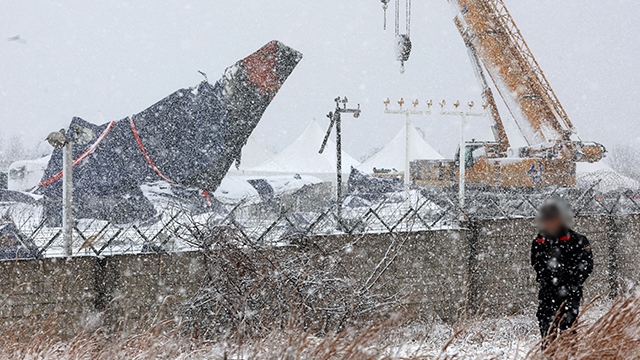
(563, 261)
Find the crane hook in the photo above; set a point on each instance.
(403, 50)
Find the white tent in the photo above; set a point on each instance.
(393, 155)
(302, 157)
(607, 179)
(254, 154)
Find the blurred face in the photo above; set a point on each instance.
(552, 226)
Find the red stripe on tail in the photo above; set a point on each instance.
(135, 133)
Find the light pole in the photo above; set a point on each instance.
(60, 140)
(335, 119)
(462, 158)
(407, 112)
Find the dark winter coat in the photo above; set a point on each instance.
(565, 261)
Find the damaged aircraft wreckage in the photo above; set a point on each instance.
(189, 139)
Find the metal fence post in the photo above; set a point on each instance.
(473, 286)
(613, 240)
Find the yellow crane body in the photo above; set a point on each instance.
(497, 49)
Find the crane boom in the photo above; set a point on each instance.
(526, 56)
(491, 35)
(494, 40)
(499, 132)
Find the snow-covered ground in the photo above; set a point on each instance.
(509, 337)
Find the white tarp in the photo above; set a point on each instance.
(393, 155)
(25, 175)
(608, 179)
(235, 187)
(302, 157)
(238, 187)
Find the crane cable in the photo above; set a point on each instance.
(408, 19)
(397, 17)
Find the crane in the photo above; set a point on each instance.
(499, 54)
(493, 39)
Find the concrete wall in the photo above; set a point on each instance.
(91, 291)
(627, 252)
(430, 268)
(135, 287)
(502, 278)
(40, 287)
(484, 268)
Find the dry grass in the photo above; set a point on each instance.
(43, 340)
(165, 340)
(615, 335)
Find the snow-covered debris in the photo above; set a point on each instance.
(607, 179)
(14, 244)
(25, 175)
(235, 187)
(244, 186)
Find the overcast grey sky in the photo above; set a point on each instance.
(104, 60)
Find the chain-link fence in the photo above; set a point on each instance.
(25, 232)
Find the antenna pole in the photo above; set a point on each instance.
(407, 112)
(463, 159)
(336, 120)
(463, 143)
(67, 198)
